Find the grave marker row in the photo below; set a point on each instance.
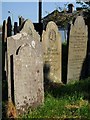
(27, 57)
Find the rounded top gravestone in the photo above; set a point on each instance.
(51, 40)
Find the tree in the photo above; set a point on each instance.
(86, 7)
(61, 16)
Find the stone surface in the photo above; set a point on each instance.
(51, 40)
(88, 58)
(25, 68)
(77, 50)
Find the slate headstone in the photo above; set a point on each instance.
(77, 50)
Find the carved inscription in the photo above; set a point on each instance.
(52, 53)
(53, 59)
(77, 50)
(52, 35)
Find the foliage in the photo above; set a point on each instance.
(61, 18)
(86, 7)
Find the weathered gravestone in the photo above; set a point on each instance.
(77, 50)
(25, 68)
(4, 36)
(88, 58)
(51, 40)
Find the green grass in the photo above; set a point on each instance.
(61, 101)
(64, 101)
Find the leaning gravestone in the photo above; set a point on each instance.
(77, 50)
(51, 40)
(25, 68)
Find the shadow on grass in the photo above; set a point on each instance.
(61, 90)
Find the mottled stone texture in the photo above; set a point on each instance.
(25, 68)
(51, 40)
(77, 50)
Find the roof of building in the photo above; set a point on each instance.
(61, 18)
(71, 5)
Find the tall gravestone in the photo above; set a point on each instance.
(4, 36)
(77, 50)
(25, 68)
(51, 40)
(88, 65)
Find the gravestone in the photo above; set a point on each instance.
(25, 68)
(77, 50)
(9, 27)
(51, 40)
(4, 36)
(4, 31)
(88, 65)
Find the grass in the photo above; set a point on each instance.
(61, 101)
(64, 101)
